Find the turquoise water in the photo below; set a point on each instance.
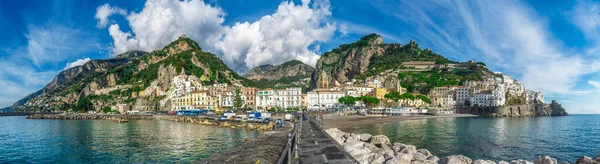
(103, 141)
(565, 138)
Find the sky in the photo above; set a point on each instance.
(551, 46)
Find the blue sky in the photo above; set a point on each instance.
(549, 45)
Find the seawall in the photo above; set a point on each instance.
(539, 109)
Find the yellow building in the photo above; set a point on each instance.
(378, 93)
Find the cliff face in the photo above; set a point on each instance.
(368, 55)
(291, 73)
(124, 79)
(552, 109)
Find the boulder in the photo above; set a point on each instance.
(597, 158)
(481, 161)
(336, 134)
(386, 152)
(380, 141)
(404, 158)
(393, 160)
(423, 162)
(455, 159)
(365, 137)
(520, 161)
(370, 146)
(503, 162)
(586, 160)
(564, 162)
(353, 143)
(419, 157)
(348, 135)
(368, 158)
(402, 148)
(425, 152)
(433, 158)
(545, 160)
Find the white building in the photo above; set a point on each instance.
(288, 98)
(323, 99)
(534, 97)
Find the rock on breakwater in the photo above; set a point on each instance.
(366, 148)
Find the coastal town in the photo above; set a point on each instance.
(187, 93)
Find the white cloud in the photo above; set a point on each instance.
(27, 68)
(53, 43)
(162, 21)
(279, 37)
(105, 11)
(586, 16)
(511, 37)
(77, 62)
(595, 84)
(276, 38)
(344, 29)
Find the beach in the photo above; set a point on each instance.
(351, 123)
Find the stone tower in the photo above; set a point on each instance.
(323, 81)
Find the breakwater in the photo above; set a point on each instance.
(86, 116)
(552, 109)
(366, 148)
(202, 120)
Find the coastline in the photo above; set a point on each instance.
(368, 149)
(352, 123)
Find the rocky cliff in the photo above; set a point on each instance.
(291, 73)
(537, 109)
(368, 56)
(123, 79)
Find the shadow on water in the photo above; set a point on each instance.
(565, 138)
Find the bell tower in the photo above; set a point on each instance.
(323, 81)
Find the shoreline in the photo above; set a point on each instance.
(353, 123)
(369, 149)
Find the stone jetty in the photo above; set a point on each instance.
(368, 149)
(87, 116)
(228, 124)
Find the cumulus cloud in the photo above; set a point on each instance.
(284, 35)
(77, 62)
(162, 21)
(105, 11)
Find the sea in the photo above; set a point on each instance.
(103, 141)
(565, 138)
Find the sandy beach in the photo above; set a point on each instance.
(351, 123)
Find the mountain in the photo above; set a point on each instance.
(292, 73)
(370, 56)
(123, 79)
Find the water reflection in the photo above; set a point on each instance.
(102, 141)
(566, 138)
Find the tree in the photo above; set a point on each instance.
(84, 104)
(409, 96)
(371, 101)
(347, 100)
(393, 95)
(467, 103)
(237, 101)
(424, 98)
